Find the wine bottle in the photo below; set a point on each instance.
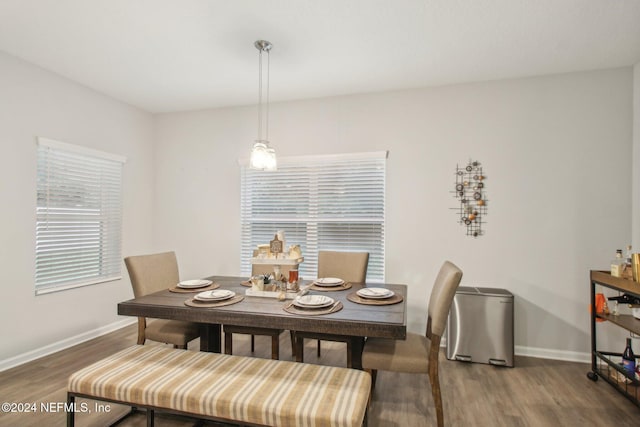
(629, 360)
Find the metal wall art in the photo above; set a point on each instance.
(275, 246)
(470, 192)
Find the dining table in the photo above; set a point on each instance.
(356, 320)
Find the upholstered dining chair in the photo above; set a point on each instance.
(348, 266)
(229, 330)
(418, 353)
(152, 273)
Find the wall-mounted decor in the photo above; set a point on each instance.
(470, 192)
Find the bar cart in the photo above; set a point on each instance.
(604, 363)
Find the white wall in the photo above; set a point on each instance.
(556, 152)
(33, 103)
(559, 199)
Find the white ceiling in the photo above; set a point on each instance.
(174, 55)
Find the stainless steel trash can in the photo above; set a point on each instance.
(480, 326)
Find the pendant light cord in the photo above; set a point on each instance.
(260, 96)
(267, 109)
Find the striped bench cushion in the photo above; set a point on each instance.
(247, 389)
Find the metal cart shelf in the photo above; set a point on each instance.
(605, 364)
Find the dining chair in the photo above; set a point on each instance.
(418, 353)
(348, 266)
(152, 273)
(229, 330)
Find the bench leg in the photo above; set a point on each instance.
(71, 416)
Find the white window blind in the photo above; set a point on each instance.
(334, 202)
(78, 216)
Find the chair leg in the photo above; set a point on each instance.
(374, 374)
(299, 349)
(150, 417)
(142, 325)
(349, 354)
(228, 343)
(293, 344)
(437, 397)
(435, 385)
(318, 348)
(275, 347)
(253, 343)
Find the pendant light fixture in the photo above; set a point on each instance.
(263, 157)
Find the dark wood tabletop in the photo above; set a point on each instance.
(358, 320)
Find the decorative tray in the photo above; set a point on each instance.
(277, 261)
(269, 294)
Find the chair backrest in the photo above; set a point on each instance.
(152, 273)
(444, 289)
(348, 266)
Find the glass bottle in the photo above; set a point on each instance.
(617, 264)
(628, 264)
(627, 256)
(629, 360)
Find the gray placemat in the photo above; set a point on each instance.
(395, 299)
(343, 287)
(194, 290)
(195, 303)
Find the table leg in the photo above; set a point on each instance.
(357, 345)
(210, 336)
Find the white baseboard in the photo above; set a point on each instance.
(65, 343)
(545, 353)
(542, 353)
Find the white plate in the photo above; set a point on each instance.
(375, 293)
(329, 281)
(313, 301)
(191, 284)
(215, 295)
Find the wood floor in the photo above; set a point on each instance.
(537, 392)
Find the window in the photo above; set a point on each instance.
(78, 216)
(334, 202)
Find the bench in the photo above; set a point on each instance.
(235, 389)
